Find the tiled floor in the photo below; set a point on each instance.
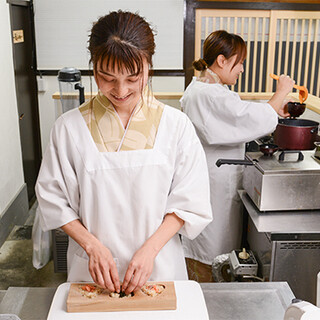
(16, 268)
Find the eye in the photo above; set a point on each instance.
(133, 80)
(107, 79)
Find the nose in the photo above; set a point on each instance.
(120, 89)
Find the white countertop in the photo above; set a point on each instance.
(232, 300)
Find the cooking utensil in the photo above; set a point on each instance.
(281, 183)
(303, 91)
(296, 134)
(253, 162)
(268, 149)
(295, 109)
(244, 162)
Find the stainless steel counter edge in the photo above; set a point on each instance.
(304, 221)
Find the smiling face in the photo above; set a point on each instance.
(230, 73)
(122, 87)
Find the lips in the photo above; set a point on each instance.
(124, 98)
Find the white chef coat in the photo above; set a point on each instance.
(223, 123)
(122, 197)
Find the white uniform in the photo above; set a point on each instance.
(122, 197)
(224, 123)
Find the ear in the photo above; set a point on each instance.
(221, 60)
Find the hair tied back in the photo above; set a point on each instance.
(200, 64)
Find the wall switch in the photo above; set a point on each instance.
(42, 85)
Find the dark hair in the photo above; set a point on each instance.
(221, 42)
(121, 39)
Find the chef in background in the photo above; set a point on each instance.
(224, 123)
(124, 174)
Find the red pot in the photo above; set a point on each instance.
(296, 134)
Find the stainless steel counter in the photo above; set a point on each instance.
(306, 221)
(247, 300)
(286, 245)
(27, 303)
(241, 301)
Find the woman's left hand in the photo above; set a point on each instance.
(283, 111)
(139, 269)
(141, 264)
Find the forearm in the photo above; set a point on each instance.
(170, 226)
(77, 231)
(277, 100)
(284, 86)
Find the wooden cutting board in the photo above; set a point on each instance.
(77, 302)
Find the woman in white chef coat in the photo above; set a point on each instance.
(124, 174)
(224, 123)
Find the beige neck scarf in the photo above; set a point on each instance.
(208, 76)
(107, 129)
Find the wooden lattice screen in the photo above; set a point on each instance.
(277, 42)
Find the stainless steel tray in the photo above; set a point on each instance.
(247, 301)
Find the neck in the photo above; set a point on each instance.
(125, 114)
(212, 76)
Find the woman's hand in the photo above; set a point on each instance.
(139, 269)
(283, 111)
(141, 264)
(284, 86)
(102, 267)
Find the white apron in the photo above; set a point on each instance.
(224, 123)
(122, 197)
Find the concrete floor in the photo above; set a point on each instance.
(16, 268)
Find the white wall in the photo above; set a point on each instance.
(11, 172)
(63, 27)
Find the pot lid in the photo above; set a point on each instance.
(290, 165)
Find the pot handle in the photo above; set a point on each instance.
(313, 130)
(282, 154)
(234, 161)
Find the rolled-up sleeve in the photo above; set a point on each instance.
(189, 197)
(57, 188)
(230, 120)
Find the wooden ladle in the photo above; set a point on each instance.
(303, 91)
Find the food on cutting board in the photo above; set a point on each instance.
(121, 294)
(89, 297)
(90, 291)
(153, 289)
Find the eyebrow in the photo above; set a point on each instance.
(111, 75)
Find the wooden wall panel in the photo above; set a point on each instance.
(277, 41)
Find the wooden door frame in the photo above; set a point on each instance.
(190, 7)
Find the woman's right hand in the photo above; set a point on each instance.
(285, 84)
(102, 267)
